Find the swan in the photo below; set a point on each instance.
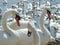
(9, 36)
(44, 34)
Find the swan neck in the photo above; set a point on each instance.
(36, 38)
(4, 23)
(41, 23)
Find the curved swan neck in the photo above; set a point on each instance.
(41, 22)
(36, 38)
(4, 20)
(4, 23)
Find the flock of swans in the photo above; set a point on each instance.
(17, 35)
(24, 32)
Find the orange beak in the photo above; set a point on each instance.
(17, 20)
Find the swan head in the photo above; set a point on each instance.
(17, 18)
(46, 10)
(14, 13)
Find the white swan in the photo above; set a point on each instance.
(8, 36)
(44, 34)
